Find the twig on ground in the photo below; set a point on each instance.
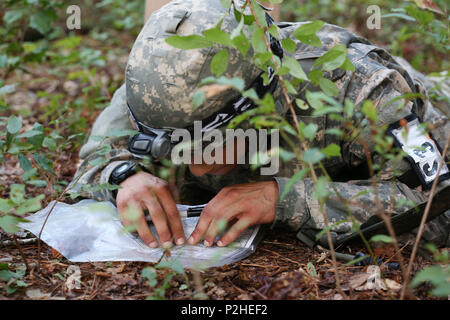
(256, 265)
(260, 294)
(283, 257)
(20, 241)
(21, 253)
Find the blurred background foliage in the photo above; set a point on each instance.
(53, 84)
(407, 30)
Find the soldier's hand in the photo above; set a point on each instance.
(245, 205)
(144, 191)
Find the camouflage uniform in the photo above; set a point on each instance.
(378, 77)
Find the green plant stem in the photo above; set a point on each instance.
(313, 173)
(21, 252)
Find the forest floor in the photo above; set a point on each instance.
(282, 267)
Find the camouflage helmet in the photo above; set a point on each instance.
(161, 80)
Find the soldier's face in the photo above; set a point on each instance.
(215, 169)
(223, 167)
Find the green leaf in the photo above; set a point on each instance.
(221, 225)
(282, 71)
(24, 162)
(311, 269)
(306, 33)
(238, 30)
(248, 19)
(17, 193)
(13, 15)
(321, 189)
(235, 82)
(424, 17)
(198, 98)
(6, 205)
(436, 275)
(104, 150)
(295, 178)
(42, 20)
(273, 30)
(189, 42)
(381, 238)
(301, 104)
(258, 42)
(348, 65)
(9, 224)
(36, 139)
(28, 174)
(314, 99)
(226, 3)
(315, 76)
(295, 69)
(38, 183)
(332, 150)
(14, 124)
(30, 205)
(9, 88)
(44, 163)
(259, 13)
(49, 143)
(441, 290)
(29, 134)
(289, 87)
(328, 87)
(309, 131)
(369, 111)
(398, 15)
(311, 39)
(289, 45)
(349, 108)
(219, 63)
(174, 265)
(150, 274)
(313, 155)
(241, 42)
(218, 36)
(308, 28)
(333, 59)
(262, 58)
(6, 275)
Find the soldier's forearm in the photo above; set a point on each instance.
(358, 200)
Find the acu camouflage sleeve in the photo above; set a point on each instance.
(114, 117)
(379, 79)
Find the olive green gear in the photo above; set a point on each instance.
(161, 79)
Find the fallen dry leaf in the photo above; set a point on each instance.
(56, 254)
(74, 279)
(428, 4)
(36, 294)
(373, 281)
(358, 280)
